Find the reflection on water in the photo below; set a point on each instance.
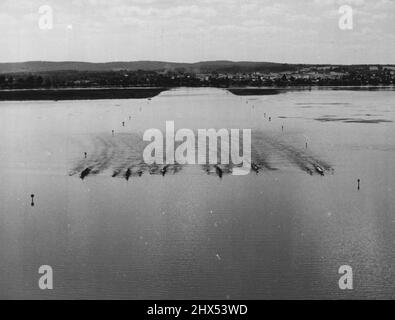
(282, 233)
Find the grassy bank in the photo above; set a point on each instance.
(254, 91)
(79, 94)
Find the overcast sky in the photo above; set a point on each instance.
(294, 31)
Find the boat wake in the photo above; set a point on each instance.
(121, 156)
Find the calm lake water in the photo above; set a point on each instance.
(279, 234)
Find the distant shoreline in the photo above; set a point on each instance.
(248, 91)
(150, 92)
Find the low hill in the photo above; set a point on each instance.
(207, 66)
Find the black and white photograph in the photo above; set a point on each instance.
(197, 150)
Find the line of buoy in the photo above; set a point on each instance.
(32, 203)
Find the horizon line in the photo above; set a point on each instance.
(196, 62)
